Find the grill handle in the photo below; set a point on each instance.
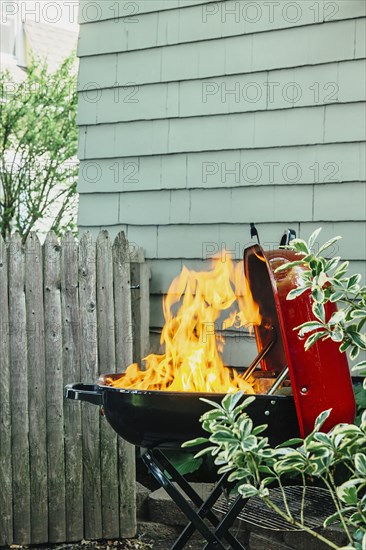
(84, 392)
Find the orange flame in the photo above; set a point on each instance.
(192, 361)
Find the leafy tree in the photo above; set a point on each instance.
(38, 144)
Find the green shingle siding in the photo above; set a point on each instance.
(175, 151)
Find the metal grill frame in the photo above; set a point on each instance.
(318, 505)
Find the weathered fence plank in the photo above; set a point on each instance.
(127, 474)
(89, 372)
(54, 394)
(122, 302)
(71, 373)
(140, 284)
(124, 356)
(6, 494)
(19, 394)
(107, 364)
(105, 305)
(36, 388)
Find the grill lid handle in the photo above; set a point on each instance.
(84, 392)
(287, 237)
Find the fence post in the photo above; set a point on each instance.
(6, 493)
(71, 373)
(107, 364)
(36, 388)
(89, 372)
(124, 355)
(19, 394)
(55, 390)
(140, 297)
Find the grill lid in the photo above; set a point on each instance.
(320, 377)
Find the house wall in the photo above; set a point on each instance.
(198, 117)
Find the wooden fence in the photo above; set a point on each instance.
(66, 316)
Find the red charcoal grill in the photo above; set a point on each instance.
(160, 420)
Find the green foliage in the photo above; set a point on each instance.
(38, 144)
(360, 396)
(239, 448)
(327, 281)
(185, 463)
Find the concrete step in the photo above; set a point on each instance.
(142, 497)
(163, 510)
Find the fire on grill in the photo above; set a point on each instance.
(196, 302)
(160, 406)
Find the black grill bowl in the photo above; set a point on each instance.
(164, 419)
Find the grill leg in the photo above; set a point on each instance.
(228, 520)
(205, 507)
(157, 471)
(222, 528)
(157, 463)
(204, 510)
